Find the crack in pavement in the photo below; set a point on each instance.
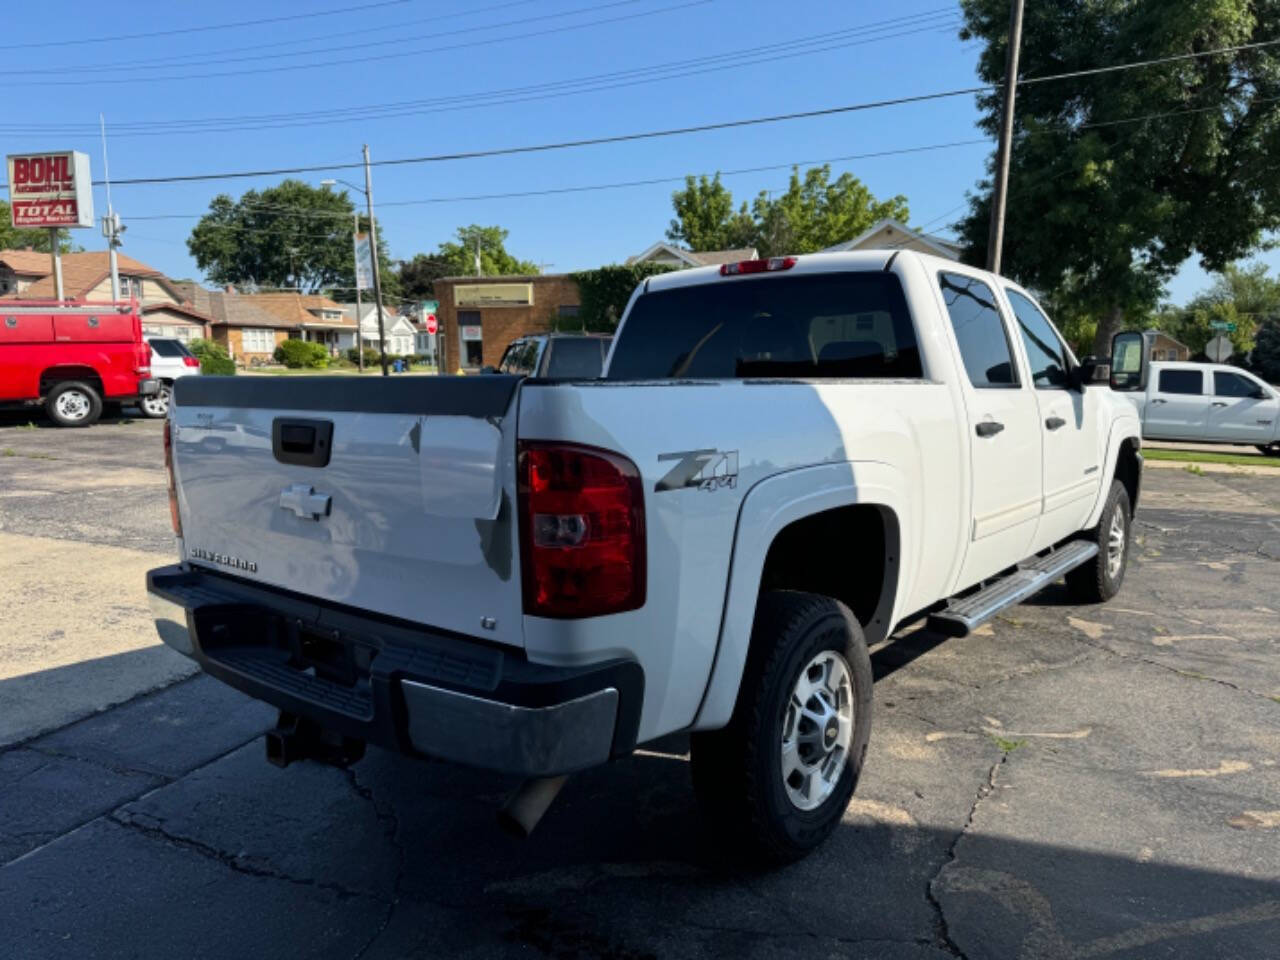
(235, 863)
(391, 822)
(118, 769)
(941, 930)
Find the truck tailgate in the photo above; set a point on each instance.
(395, 496)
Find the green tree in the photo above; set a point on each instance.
(705, 218)
(418, 276)
(20, 238)
(292, 235)
(604, 294)
(813, 213)
(459, 257)
(1107, 208)
(1266, 351)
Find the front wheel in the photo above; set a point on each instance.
(1099, 580)
(157, 404)
(775, 782)
(73, 404)
(1269, 449)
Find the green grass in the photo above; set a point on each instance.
(28, 426)
(1008, 746)
(1194, 469)
(10, 452)
(1197, 456)
(372, 370)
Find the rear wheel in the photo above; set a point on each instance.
(72, 403)
(1099, 580)
(157, 404)
(775, 782)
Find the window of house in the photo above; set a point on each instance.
(1226, 384)
(1181, 381)
(567, 311)
(980, 333)
(1046, 352)
(258, 340)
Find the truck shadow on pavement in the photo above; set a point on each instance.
(176, 838)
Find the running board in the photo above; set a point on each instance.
(961, 617)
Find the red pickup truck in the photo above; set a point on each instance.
(74, 356)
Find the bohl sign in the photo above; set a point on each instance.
(50, 190)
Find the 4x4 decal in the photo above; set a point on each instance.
(704, 469)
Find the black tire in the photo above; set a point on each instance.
(738, 771)
(156, 407)
(1096, 581)
(73, 403)
(1269, 449)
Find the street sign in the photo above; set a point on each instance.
(50, 190)
(1218, 349)
(430, 306)
(1222, 325)
(432, 324)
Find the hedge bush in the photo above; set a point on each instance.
(604, 294)
(214, 360)
(296, 354)
(370, 356)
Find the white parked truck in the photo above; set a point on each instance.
(1209, 403)
(784, 461)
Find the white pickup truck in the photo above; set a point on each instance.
(785, 460)
(1209, 403)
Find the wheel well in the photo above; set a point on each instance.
(849, 553)
(55, 375)
(1127, 471)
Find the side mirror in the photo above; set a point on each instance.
(1091, 371)
(1128, 362)
(1260, 394)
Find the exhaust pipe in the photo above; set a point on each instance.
(525, 808)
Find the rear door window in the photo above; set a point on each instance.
(1181, 381)
(168, 348)
(980, 332)
(822, 325)
(519, 358)
(575, 359)
(1226, 384)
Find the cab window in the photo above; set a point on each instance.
(1227, 384)
(519, 358)
(980, 333)
(1181, 381)
(1046, 352)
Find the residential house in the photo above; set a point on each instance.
(668, 254)
(891, 234)
(1164, 347)
(318, 319)
(241, 324)
(480, 316)
(399, 333)
(166, 310)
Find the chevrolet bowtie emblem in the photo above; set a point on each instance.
(303, 500)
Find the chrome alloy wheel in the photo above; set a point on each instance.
(1116, 543)
(156, 405)
(73, 405)
(817, 728)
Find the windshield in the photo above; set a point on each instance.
(826, 325)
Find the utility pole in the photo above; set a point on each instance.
(111, 228)
(479, 271)
(355, 246)
(995, 239)
(373, 259)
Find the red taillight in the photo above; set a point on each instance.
(190, 361)
(756, 266)
(173, 486)
(581, 531)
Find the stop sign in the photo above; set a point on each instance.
(432, 325)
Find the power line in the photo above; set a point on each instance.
(133, 65)
(829, 40)
(329, 65)
(215, 26)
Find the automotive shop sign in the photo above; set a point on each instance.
(50, 190)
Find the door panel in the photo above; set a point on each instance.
(1177, 407)
(1236, 417)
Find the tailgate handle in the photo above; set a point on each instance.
(304, 443)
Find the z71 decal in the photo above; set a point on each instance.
(703, 469)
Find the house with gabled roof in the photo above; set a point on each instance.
(889, 234)
(670, 255)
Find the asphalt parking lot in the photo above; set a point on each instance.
(1069, 782)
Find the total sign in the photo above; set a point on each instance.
(50, 189)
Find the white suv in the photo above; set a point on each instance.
(170, 359)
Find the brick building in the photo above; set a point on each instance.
(480, 316)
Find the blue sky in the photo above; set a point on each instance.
(462, 52)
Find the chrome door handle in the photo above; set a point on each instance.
(1156, 400)
(988, 428)
(1053, 423)
(1218, 403)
